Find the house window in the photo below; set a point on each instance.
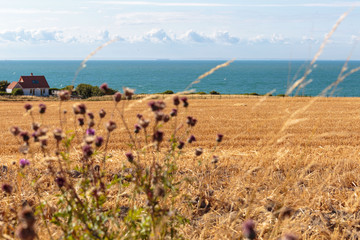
(35, 81)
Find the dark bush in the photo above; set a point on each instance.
(87, 90)
(17, 92)
(214, 93)
(3, 85)
(168, 92)
(2, 93)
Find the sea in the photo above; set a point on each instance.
(156, 76)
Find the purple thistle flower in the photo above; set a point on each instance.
(27, 107)
(249, 229)
(60, 181)
(191, 139)
(219, 137)
(173, 113)
(176, 100)
(24, 162)
(130, 157)
(102, 113)
(90, 132)
(157, 106)
(117, 97)
(159, 116)
(158, 136)
(137, 128)
(181, 145)
(7, 188)
(15, 130)
(99, 141)
(111, 126)
(104, 87)
(42, 108)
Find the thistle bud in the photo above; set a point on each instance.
(249, 229)
(15, 130)
(128, 93)
(60, 181)
(7, 188)
(117, 97)
(181, 145)
(219, 138)
(198, 151)
(191, 139)
(87, 150)
(158, 136)
(64, 95)
(185, 101)
(91, 115)
(81, 121)
(25, 136)
(58, 134)
(137, 128)
(176, 100)
(173, 113)
(111, 126)
(27, 107)
(130, 157)
(42, 108)
(102, 113)
(99, 141)
(104, 87)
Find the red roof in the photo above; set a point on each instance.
(12, 85)
(33, 82)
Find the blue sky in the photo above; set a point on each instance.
(200, 29)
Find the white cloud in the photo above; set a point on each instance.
(308, 39)
(192, 36)
(225, 37)
(34, 11)
(32, 36)
(182, 4)
(273, 39)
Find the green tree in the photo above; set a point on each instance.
(3, 85)
(17, 92)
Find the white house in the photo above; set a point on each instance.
(31, 85)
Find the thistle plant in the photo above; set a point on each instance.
(87, 204)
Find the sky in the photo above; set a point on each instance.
(177, 29)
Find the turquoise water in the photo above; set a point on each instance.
(158, 76)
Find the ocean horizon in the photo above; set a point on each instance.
(159, 75)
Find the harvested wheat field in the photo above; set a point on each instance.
(289, 164)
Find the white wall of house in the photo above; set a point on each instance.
(9, 90)
(36, 91)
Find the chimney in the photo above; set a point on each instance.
(31, 74)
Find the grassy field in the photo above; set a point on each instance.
(289, 164)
